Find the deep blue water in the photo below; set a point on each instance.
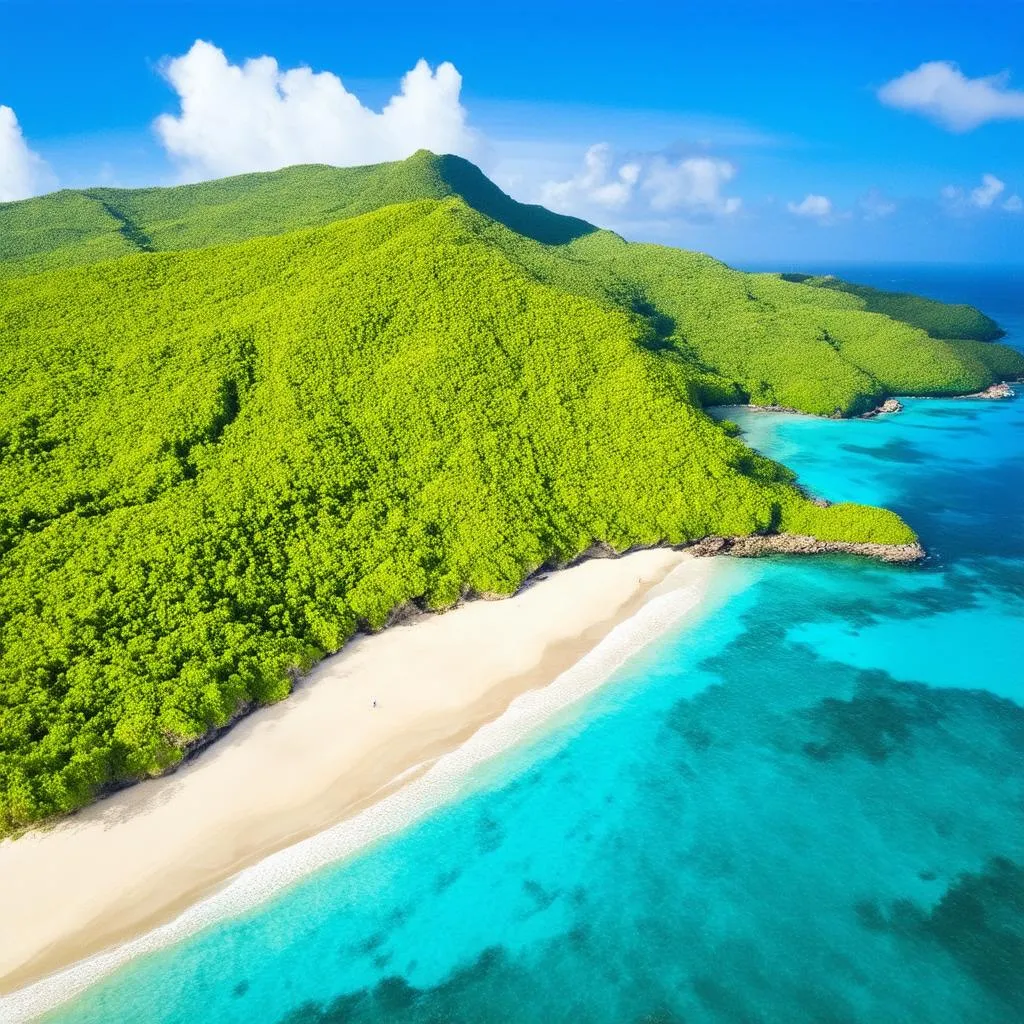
(806, 807)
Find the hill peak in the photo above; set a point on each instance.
(88, 225)
(463, 178)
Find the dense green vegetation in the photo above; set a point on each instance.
(773, 339)
(217, 463)
(76, 228)
(939, 319)
(756, 336)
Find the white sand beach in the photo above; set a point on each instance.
(135, 861)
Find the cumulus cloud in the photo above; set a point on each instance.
(990, 189)
(939, 90)
(983, 197)
(256, 116)
(23, 173)
(691, 186)
(695, 184)
(598, 183)
(812, 206)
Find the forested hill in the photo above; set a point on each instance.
(218, 462)
(785, 339)
(77, 227)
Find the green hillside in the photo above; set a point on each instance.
(75, 228)
(217, 463)
(786, 340)
(939, 319)
(758, 337)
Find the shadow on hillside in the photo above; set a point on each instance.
(468, 181)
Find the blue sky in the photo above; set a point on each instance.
(754, 131)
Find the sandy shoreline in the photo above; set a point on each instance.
(136, 860)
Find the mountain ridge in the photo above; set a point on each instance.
(177, 217)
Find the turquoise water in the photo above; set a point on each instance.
(806, 807)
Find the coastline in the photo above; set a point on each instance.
(760, 545)
(163, 850)
(890, 405)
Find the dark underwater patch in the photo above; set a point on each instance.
(398, 917)
(871, 916)
(770, 619)
(1001, 576)
(489, 834)
(542, 898)
(662, 1015)
(372, 943)
(951, 429)
(466, 995)
(696, 736)
(866, 714)
(720, 999)
(946, 413)
(979, 922)
(394, 994)
(900, 604)
(446, 879)
(873, 724)
(897, 450)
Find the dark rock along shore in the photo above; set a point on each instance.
(794, 544)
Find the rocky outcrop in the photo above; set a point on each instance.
(889, 406)
(993, 391)
(758, 545)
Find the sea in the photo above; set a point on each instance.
(805, 803)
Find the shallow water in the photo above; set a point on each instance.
(807, 806)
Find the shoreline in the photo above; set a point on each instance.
(152, 851)
(890, 405)
(761, 545)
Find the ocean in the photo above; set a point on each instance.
(805, 804)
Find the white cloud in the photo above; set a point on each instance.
(814, 206)
(983, 197)
(939, 90)
(256, 116)
(691, 186)
(23, 173)
(598, 183)
(875, 206)
(987, 192)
